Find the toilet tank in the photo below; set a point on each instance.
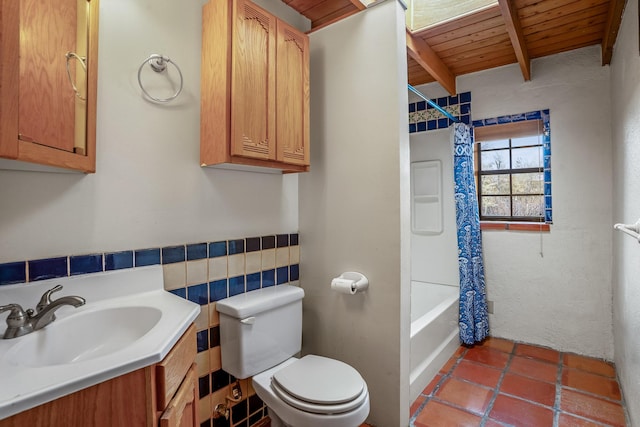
(260, 329)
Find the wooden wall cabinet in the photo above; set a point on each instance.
(41, 119)
(255, 89)
(164, 395)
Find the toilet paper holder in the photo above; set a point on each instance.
(350, 282)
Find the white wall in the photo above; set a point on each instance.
(149, 189)
(434, 258)
(563, 298)
(625, 96)
(354, 204)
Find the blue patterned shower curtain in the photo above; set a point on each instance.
(474, 317)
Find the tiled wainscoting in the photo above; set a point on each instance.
(203, 273)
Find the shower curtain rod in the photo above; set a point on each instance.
(433, 104)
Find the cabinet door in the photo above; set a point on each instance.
(183, 408)
(253, 104)
(292, 85)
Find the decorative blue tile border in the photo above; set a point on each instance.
(423, 117)
(546, 148)
(49, 268)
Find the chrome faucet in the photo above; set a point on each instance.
(21, 322)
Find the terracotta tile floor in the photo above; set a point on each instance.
(500, 383)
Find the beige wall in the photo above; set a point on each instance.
(625, 103)
(354, 204)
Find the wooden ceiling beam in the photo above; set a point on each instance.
(512, 22)
(614, 19)
(359, 5)
(422, 53)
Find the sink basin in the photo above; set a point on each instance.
(83, 336)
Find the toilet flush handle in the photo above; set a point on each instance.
(249, 320)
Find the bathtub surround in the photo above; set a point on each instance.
(561, 300)
(354, 204)
(423, 117)
(625, 104)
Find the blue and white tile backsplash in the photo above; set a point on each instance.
(423, 117)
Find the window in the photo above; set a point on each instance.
(510, 166)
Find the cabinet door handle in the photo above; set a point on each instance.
(83, 63)
(249, 320)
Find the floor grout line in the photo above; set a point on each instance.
(496, 390)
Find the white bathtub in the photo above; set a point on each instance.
(434, 331)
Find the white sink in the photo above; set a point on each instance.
(84, 336)
(128, 322)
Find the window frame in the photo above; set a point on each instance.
(510, 131)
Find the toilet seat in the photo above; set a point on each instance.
(320, 385)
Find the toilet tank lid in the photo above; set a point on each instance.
(254, 302)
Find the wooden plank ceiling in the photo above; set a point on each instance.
(511, 31)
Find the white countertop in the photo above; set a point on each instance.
(24, 387)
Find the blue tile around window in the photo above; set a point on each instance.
(49, 268)
(118, 260)
(236, 246)
(218, 290)
(268, 278)
(478, 123)
(282, 275)
(253, 281)
(465, 119)
(533, 115)
(504, 119)
(198, 294)
(236, 285)
(196, 251)
(294, 272)
(85, 264)
(13, 272)
(491, 121)
(173, 254)
(518, 117)
(217, 249)
(147, 257)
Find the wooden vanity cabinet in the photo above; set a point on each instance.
(164, 395)
(42, 120)
(255, 89)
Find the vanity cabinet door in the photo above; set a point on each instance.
(182, 410)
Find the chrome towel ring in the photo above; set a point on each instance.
(158, 63)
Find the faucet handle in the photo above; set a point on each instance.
(17, 321)
(45, 299)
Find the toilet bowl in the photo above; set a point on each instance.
(260, 332)
(313, 391)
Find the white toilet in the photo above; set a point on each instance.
(260, 331)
